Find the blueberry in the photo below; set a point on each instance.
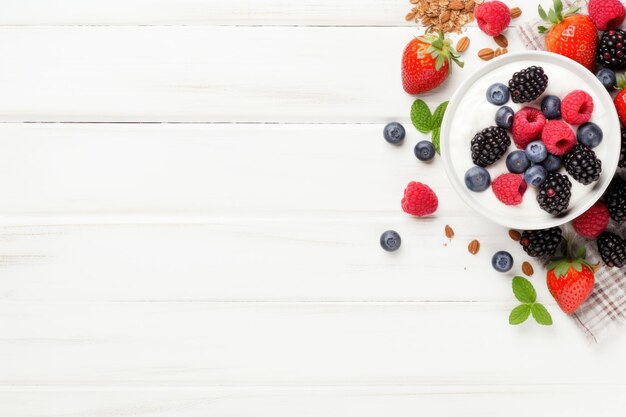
(552, 163)
(394, 133)
(535, 175)
(477, 179)
(424, 150)
(607, 78)
(390, 241)
(589, 134)
(504, 117)
(551, 107)
(502, 261)
(498, 94)
(536, 151)
(517, 162)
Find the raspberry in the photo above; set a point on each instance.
(509, 188)
(576, 107)
(419, 200)
(592, 222)
(528, 124)
(558, 137)
(492, 17)
(606, 14)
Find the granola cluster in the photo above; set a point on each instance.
(442, 15)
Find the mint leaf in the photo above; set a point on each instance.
(421, 116)
(519, 314)
(438, 114)
(541, 315)
(524, 290)
(436, 139)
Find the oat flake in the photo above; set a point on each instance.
(442, 15)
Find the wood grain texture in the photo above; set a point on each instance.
(252, 260)
(215, 12)
(195, 344)
(230, 266)
(220, 201)
(212, 74)
(103, 173)
(439, 401)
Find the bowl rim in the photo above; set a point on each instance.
(458, 183)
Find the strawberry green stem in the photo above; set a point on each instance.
(554, 16)
(441, 49)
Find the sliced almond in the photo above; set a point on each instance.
(449, 232)
(515, 235)
(497, 52)
(527, 269)
(501, 40)
(409, 16)
(469, 6)
(516, 12)
(473, 247)
(486, 54)
(462, 44)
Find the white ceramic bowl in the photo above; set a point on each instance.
(469, 112)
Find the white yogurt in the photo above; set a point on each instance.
(475, 113)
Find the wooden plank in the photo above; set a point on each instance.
(215, 12)
(59, 173)
(486, 401)
(255, 260)
(192, 74)
(190, 344)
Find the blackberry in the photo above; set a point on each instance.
(541, 242)
(582, 164)
(489, 145)
(612, 49)
(612, 250)
(622, 154)
(554, 193)
(615, 199)
(528, 84)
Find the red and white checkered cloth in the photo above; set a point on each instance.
(605, 309)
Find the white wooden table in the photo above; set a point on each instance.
(193, 192)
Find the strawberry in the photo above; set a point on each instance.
(620, 99)
(426, 63)
(570, 281)
(570, 34)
